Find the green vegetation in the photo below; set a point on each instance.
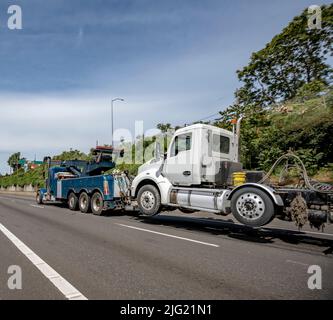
(303, 127)
(13, 161)
(72, 155)
(293, 58)
(20, 178)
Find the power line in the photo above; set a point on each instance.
(206, 118)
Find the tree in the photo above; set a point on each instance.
(164, 127)
(71, 155)
(295, 57)
(13, 161)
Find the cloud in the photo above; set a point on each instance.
(48, 124)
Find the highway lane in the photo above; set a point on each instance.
(169, 257)
(35, 286)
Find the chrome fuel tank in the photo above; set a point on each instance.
(212, 200)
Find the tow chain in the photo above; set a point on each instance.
(298, 211)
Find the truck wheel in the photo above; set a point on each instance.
(149, 200)
(39, 199)
(84, 203)
(97, 204)
(252, 207)
(73, 202)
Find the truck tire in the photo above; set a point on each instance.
(252, 207)
(97, 204)
(84, 203)
(149, 200)
(39, 199)
(73, 202)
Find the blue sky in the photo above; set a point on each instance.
(172, 61)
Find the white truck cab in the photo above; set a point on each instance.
(196, 174)
(194, 153)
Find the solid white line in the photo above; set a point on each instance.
(169, 235)
(297, 262)
(36, 206)
(69, 291)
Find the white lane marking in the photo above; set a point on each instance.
(169, 235)
(69, 291)
(36, 206)
(297, 262)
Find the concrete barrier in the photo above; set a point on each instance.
(27, 190)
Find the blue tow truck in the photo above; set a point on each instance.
(83, 185)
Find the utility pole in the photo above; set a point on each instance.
(112, 120)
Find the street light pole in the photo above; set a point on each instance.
(112, 127)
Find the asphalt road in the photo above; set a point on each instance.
(172, 256)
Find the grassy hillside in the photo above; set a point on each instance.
(303, 126)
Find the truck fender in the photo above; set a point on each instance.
(162, 185)
(275, 197)
(99, 191)
(139, 184)
(42, 191)
(69, 192)
(84, 190)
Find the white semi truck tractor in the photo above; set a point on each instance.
(197, 174)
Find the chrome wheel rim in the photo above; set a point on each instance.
(83, 203)
(148, 200)
(250, 206)
(97, 204)
(71, 202)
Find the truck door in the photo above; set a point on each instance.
(178, 167)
